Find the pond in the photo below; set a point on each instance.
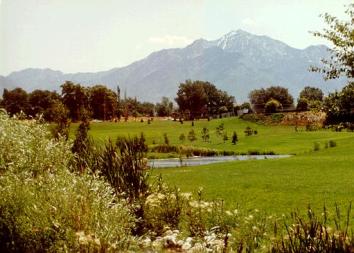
(195, 161)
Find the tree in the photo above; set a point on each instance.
(205, 134)
(191, 97)
(260, 97)
(164, 108)
(166, 140)
(75, 98)
(103, 102)
(225, 137)
(234, 138)
(61, 117)
(340, 34)
(201, 99)
(191, 136)
(15, 101)
(42, 102)
(182, 138)
(302, 104)
(339, 106)
(311, 94)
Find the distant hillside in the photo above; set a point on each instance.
(237, 62)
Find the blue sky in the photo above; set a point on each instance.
(95, 35)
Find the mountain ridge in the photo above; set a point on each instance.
(236, 62)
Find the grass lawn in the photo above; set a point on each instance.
(276, 186)
(280, 139)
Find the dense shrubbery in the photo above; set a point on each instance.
(44, 206)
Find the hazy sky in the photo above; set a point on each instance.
(94, 35)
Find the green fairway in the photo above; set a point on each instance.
(276, 186)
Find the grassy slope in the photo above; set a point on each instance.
(280, 139)
(326, 176)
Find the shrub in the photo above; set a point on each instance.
(182, 138)
(316, 146)
(123, 165)
(205, 134)
(314, 235)
(191, 136)
(248, 131)
(166, 140)
(332, 144)
(272, 106)
(234, 138)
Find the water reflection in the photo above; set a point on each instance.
(195, 161)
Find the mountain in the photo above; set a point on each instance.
(238, 62)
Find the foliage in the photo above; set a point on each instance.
(314, 234)
(205, 134)
(260, 97)
(302, 104)
(311, 94)
(75, 98)
(340, 34)
(166, 140)
(234, 138)
(123, 165)
(61, 120)
(103, 102)
(272, 106)
(164, 108)
(201, 99)
(192, 136)
(248, 131)
(44, 206)
(85, 153)
(14, 101)
(182, 137)
(339, 105)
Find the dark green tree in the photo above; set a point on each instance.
(103, 102)
(75, 98)
(234, 138)
(164, 108)
(260, 97)
(15, 101)
(311, 94)
(182, 138)
(205, 134)
(200, 99)
(191, 136)
(42, 102)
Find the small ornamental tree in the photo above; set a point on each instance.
(225, 137)
(191, 136)
(248, 131)
(234, 138)
(182, 138)
(205, 134)
(166, 140)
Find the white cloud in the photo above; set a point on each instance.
(248, 22)
(170, 40)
